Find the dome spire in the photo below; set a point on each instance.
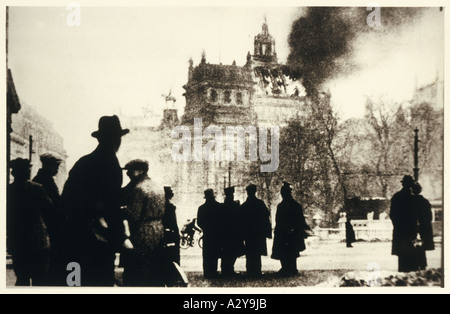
(265, 27)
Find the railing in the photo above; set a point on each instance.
(365, 233)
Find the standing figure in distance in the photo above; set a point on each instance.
(425, 216)
(91, 200)
(172, 232)
(55, 221)
(232, 242)
(350, 236)
(257, 228)
(144, 263)
(27, 238)
(404, 220)
(290, 232)
(208, 219)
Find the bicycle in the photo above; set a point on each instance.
(186, 241)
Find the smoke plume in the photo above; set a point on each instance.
(322, 42)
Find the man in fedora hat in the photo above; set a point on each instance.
(233, 241)
(209, 220)
(404, 220)
(27, 238)
(55, 220)
(257, 228)
(91, 201)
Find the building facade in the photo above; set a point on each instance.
(259, 93)
(32, 136)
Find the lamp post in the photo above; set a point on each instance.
(416, 155)
(229, 174)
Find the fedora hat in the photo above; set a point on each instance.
(229, 190)
(209, 193)
(407, 179)
(109, 126)
(286, 187)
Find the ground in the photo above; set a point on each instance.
(316, 265)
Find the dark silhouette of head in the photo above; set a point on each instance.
(416, 188)
(109, 133)
(50, 163)
(229, 193)
(168, 193)
(286, 190)
(251, 190)
(209, 195)
(21, 169)
(407, 182)
(136, 169)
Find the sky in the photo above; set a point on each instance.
(121, 60)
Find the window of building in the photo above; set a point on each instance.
(227, 96)
(213, 95)
(239, 99)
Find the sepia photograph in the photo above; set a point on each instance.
(190, 147)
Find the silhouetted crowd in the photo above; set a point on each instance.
(94, 218)
(231, 230)
(411, 216)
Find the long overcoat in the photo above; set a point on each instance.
(232, 225)
(209, 220)
(425, 216)
(145, 212)
(257, 226)
(27, 207)
(91, 200)
(404, 220)
(290, 229)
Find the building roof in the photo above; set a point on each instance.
(226, 74)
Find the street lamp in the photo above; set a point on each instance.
(416, 155)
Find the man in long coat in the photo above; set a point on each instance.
(91, 201)
(257, 228)
(55, 221)
(209, 220)
(404, 220)
(422, 208)
(290, 232)
(27, 238)
(233, 241)
(172, 232)
(143, 264)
